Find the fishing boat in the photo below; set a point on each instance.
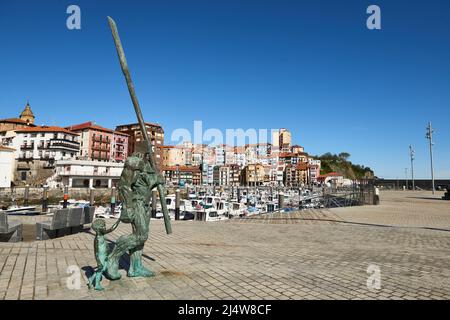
(237, 209)
(20, 209)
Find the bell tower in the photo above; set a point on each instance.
(27, 114)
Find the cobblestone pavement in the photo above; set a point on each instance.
(402, 208)
(308, 259)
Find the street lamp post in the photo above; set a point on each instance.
(429, 136)
(412, 155)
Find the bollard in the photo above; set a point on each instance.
(65, 196)
(177, 204)
(154, 202)
(91, 197)
(45, 199)
(26, 195)
(113, 199)
(280, 201)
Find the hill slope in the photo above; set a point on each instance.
(341, 164)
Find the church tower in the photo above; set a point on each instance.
(27, 115)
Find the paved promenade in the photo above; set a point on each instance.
(322, 254)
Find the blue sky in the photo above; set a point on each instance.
(310, 66)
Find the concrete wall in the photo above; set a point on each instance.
(102, 196)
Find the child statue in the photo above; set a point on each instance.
(101, 251)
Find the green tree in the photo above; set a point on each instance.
(344, 155)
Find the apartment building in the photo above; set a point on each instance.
(155, 133)
(100, 144)
(37, 149)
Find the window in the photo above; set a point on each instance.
(23, 175)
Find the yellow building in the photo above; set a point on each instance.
(253, 175)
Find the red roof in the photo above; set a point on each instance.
(17, 120)
(88, 125)
(121, 133)
(46, 129)
(331, 174)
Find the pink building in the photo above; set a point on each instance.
(99, 143)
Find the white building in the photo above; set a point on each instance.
(37, 149)
(87, 174)
(45, 142)
(6, 166)
(220, 155)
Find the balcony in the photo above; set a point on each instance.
(101, 139)
(101, 148)
(25, 158)
(87, 173)
(27, 147)
(64, 144)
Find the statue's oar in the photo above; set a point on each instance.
(137, 109)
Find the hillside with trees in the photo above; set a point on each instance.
(340, 163)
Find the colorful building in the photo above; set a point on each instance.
(100, 144)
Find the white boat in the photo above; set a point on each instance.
(237, 209)
(105, 212)
(213, 215)
(72, 203)
(15, 208)
(210, 201)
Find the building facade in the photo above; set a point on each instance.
(314, 169)
(86, 174)
(37, 150)
(100, 144)
(176, 175)
(253, 175)
(296, 175)
(155, 133)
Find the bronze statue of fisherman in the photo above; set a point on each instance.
(135, 187)
(139, 177)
